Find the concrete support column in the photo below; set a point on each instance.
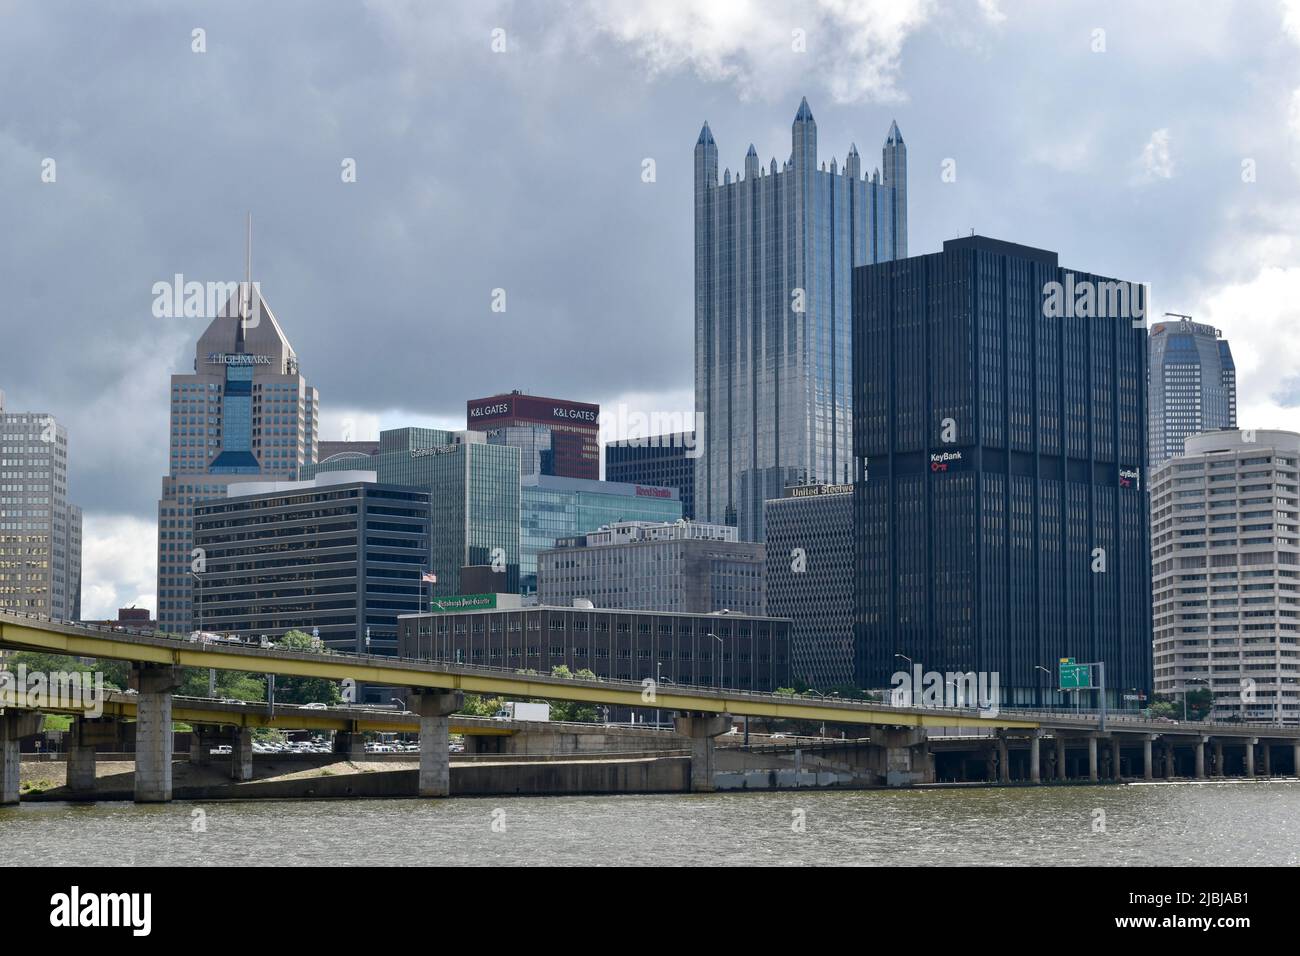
(1295, 759)
(434, 707)
(1266, 752)
(1169, 760)
(1060, 757)
(14, 726)
(1116, 768)
(349, 743)
(1146, 759)
(702, 728)
(200, 747)
(1218, 758)
(1004, 762)
(1035, 774)
(1092, 757)
(1200, 757)
(990, 764)
(153, 731)
(1250, 758)
(81, 755)
(241, 755)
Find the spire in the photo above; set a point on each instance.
(751, 162)
(706, 136)
(894, 137)
(805, 114)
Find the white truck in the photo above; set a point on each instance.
(521, 710)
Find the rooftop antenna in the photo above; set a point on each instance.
(1178, 315)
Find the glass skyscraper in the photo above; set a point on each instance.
(555, 508)
(1000, 522)
(1192, 386)
(244, 414)
(474, 492)
(774, 252)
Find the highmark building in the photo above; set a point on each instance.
(244, 414)
(1000, 518)
(553, 508)
(474, 490)
(774, 252)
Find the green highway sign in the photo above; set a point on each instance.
(1075, 676)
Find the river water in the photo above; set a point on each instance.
(1232, 824)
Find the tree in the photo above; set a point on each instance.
(305, 690)
(573, 710)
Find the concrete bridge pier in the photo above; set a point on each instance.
(1116, 768)
(349, 743)
(1004, 761)
(1035, 772)
(1295, 759)
(1169, 759)
(1199, 750)
(702, 728)
(1092, 757)
(153, 730)
(1060, 757)
(1265, 753)
(434, 707)
(1250, 757)
(1218, 758)
(241, 755)
(1146, 758)
(14, 726)
(85, 733)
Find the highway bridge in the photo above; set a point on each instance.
(437, 688)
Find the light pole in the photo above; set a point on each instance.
(1042, 698)
(718, 668)
(910, 665)
(212, 671)
(659, 668)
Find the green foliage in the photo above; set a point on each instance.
(116, 673)
(479, 706)
(305, 690)
(570, 710)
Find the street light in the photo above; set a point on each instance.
(1042, 700)
(718, 668)
(212, 671)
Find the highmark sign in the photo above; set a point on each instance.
(238, 358)
(464, 602)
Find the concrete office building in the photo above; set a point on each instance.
(664, 460)
(712, 650)
(1000, 522)
(774, 251)
(40, 531)
(1192, 385)
(245, 414)
(810, 579)
(1225, 557)
(554, 436)
(341, 554)
(555, 508)
(474, 493)
(682, 566)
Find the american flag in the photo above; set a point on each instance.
(429, 577)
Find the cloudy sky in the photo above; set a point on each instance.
(502, 146)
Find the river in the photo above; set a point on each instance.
(1162, 824)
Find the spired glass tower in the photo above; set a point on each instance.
(1192, 387)
(1000, 522)
(774, 252)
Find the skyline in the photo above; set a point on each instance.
(1136, 185)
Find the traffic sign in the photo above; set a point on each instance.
(1075, 676)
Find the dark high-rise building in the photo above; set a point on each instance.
(1000, 434)
(339, 554)
(774, 250)
(809, 575)
(1192, 386)
(554, 436)
(664, 460)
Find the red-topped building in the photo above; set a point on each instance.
(554, 435)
